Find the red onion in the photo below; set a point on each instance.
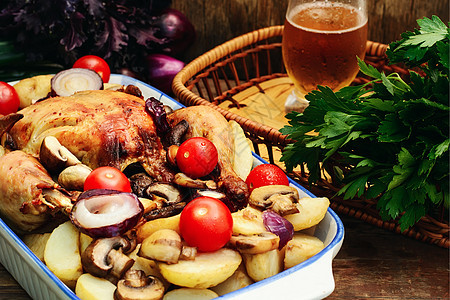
(176, 31)
(161, 69)
(278, 225)
(70, 81)
(106, 213)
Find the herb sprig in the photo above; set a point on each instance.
(387, 139)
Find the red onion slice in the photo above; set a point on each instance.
(105, 213)
(70, 81)
(278, 225)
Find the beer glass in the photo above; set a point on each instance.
(321, 40)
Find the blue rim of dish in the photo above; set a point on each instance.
(66, 290)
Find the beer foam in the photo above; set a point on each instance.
(362, 18)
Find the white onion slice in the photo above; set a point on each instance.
(70, 81)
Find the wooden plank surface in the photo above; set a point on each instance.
(373, 263)
(219, 21)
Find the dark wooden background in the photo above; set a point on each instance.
(219, 21)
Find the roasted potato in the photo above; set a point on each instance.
(188, 294)
(248, 221)
(36, 242)
(207, 270)
(62, 253)
(32, 89)
(264, 265)
(148, 228)
(93, 288)
(238, 280)
(300, 248)
(311, 212)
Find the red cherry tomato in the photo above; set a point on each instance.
(107, 178)
(9, 100)
(95, 63)
(197, 157)
(266, 174)
(206, 223)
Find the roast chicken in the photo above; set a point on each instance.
(207, 122)
(101, 128)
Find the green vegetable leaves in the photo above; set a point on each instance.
(388, 139)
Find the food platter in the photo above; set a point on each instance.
(311, 279)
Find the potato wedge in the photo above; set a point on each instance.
(264, 265)
(85, 240)
(32, 89)
(62, 253)
(248, 221)
(311, 212)
(300, 248)
(188, 294)
(148, 228)
(238, 280)
(207, 270)
(36, 242)
(93, 288)
(242, 158)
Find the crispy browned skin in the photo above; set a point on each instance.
(207, 122)
(102, 128)
(23, 187)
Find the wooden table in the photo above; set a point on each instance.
(373, 264)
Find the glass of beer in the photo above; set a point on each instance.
(321, 40)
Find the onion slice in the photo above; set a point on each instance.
(278, 225)
(70, 81)
(106, 213)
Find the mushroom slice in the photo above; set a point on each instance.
(254, 244)
(73, 177)
(183, 180)
(279, 198)
(167, 192)
(54, 156)
(139, 183)
(164, 212)
(136, 285)
(104, 256)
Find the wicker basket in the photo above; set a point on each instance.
(236, 76)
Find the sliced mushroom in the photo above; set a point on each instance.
(73, 177)
(136, 285)
(54, 156)
(209, 193)
(162, 245)
(165, 212)
(279, 198)
(165, 192)
(171, 155)
(254, 244)
(104, 257)
(188, 252)
(175, 135)
(139, 183)
(185, 181)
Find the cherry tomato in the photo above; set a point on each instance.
(206, 223)
(95, 63)
(197, 157)
(9, 100)
(266, 174)
(107, 178)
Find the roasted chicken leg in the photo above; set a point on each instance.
(207, 122)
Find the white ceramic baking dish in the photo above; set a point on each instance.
(312, 279)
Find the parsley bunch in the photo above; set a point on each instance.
(387, 139)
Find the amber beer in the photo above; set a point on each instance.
(320, 43)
